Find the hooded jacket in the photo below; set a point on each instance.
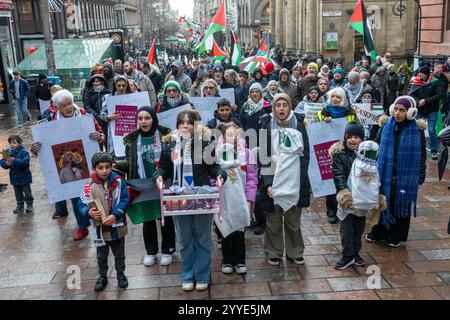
(430, 93)
(343, 159)
(92, 101)
(183, 79)
(287, 86)
(145, 84)
(303, 87)
(262, 80)
(381, 83)
(19, 173)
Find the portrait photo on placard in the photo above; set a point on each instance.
(70, 159)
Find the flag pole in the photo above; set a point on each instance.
(227, 43)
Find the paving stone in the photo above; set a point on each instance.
(445, 276)
(382, 255)
(332, 259)
(322, 249)
(302, 286)
(353, 283)
(444, 291)
(140, 294)
(42, 291)
(141, 282)
(280, 274)
(429, 266)
(142, 270)
(221, 278)
(413, 280)
(317, 240)
(239, 290)
(440, 254)
(176, 293)
(425, 293)
(26, 280)
(423, 235)
(352, 295)
(325, 272)
(11, 293)
(385, 268)
(437, 198)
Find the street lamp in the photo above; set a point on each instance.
(399, 9)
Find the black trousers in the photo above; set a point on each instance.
(233, 248)
(352, 229)
(23, 194)
(118, 250)
(260, 215)
(332, 203)
(151, 237)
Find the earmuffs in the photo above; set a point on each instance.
(411, 113)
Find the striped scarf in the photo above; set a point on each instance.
(408, 166)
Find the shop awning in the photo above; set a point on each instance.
(69, 54)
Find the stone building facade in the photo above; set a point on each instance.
(435, 29)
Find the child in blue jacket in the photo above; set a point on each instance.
(105, 200)
(17, 160)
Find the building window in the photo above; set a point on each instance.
(25, 9)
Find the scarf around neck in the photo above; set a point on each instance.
(336, 112)
(354, 91)
(182, 161)
(408, 168)
(419, 82)
(156, 149)
(252, 107)
(173, 102)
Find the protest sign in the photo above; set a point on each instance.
(228, 94)
(368, 113)
(322, 136)
(169, 118)
(43, 105)
(126, 105)
(65, 155)
(309, 109)
(205, 107)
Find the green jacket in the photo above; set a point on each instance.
(129, 165)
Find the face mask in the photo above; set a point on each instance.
(99, 88)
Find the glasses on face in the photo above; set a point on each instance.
(172, 90)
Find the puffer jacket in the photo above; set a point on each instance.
(343, 159)
(92, 101)
(19, 173)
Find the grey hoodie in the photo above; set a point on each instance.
(183, 79)
(288, 87)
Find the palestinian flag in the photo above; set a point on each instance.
(152, 57)
(217, 53)
(217, 25)
(360, 24)
(236, 55)
(183, 23)
(144, 200)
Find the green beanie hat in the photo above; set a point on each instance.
(172, 83)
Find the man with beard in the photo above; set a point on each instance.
(141, 80)
(306, 83)
(108, 74)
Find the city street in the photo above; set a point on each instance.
(36, 251)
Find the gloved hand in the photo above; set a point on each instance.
(344, 198)
(35, 147)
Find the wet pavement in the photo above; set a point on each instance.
(37, 256)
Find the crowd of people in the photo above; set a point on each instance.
(253, 195)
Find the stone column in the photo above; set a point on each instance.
(299, 24)
(279, 23)
(290, 21)
(272, 21)
(311, 27)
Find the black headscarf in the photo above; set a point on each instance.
(154, 124)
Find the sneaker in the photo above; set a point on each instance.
(166, 259)
(273, 261)
(359, 261)
(227, 268)
(394, 244)
(259, 229)
(149, 260)
(80, 234)
(18, 210)
(344, 263)
(241, 268)
(29, 209)
(101, 283)
(200, 286)
(370, 238)
(122, 281)
(187, 286)
(298, 260)
(434, 156)
(57, 215)
(2, 185)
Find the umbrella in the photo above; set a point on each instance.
(442, 163)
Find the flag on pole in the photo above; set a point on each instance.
(236, 54)
(360, 24)
(152, 57)
(217, 53)
(217, 25)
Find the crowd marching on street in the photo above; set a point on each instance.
(266, 191)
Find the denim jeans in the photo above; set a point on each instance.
(82, 221)
(21, 108)
(432, 119)
(194, 238)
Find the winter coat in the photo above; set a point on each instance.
(343, 159)
(145, 84)
(262, 81)
(92, 101)
(303, 87)
(336, 84)
(24, 88)
(195, 91)
(201, 171)
(214, 122)
(421, 124)
(241, 96)
(403, 84)
(183, 79)
(130, 164)
(351, 115)
(158, 81)
(381, 83)
(288, 87)
(393, 83)
(252, 122)
(431, 93)
(164, 105)
(118, 193)
(19, 173)
(43, 92)
(267, 180)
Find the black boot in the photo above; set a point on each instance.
(101, 283)
(332, 218)
(122, 281)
